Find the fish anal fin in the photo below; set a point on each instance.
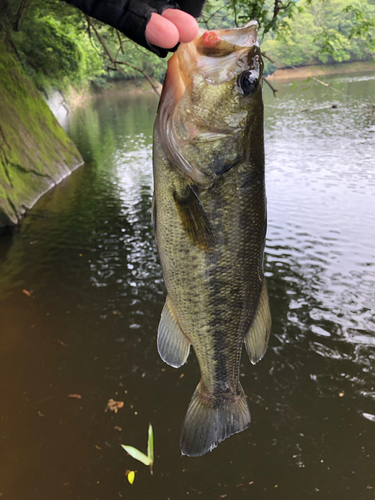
(173, 345)
(194, 219)
(257, 337)
(210, 420)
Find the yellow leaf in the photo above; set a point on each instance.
(131, 477)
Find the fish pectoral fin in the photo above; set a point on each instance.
(153, 213)
(173, 345)
(257, 337)
(194, 219)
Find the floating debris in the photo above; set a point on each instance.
(113, 405)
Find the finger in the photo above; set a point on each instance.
(186, 24)
(161, 32)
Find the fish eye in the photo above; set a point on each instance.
(248, 81)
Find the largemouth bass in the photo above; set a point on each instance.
(209, 213)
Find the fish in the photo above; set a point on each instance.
(209, 216)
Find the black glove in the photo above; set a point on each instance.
(131, 16)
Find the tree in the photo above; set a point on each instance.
(321, 32)
(59, 46)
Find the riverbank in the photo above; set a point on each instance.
(61, 104)
(317, 71)
(73, 98)
(35, 152)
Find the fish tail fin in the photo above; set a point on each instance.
(211, 419)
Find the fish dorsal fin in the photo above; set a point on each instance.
(257, 337)
(194, 219)
(173, 345)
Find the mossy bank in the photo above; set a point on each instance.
(35, 152)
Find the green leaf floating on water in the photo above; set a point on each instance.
(150, 444)
(138, 455)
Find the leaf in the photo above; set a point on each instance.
(113, 405)
(131, 476)
(150, 444)
(138, 455)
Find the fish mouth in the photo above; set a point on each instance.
(202, 54)
(221, 43)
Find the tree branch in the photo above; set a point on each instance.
(120, 42)
(101, 41)
(143, 73)
(21, 14)
(278, 7)
(270, 86)
(114, 60)
(264, 54)
(213, 14)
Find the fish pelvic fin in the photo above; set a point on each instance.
(257, 337)
(209, 420)
(173, 345)
(194, 219)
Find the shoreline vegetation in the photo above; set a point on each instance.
(62, 49)
(74, 99)
(321, 70)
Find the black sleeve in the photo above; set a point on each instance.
(192, 7)
(131, 16)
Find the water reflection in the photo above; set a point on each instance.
(87, 258)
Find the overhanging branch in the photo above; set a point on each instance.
(115, 61)
(270, 86)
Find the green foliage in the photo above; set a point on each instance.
(271, 14)
(52, 45)
(58, 49)
(217, 14)
(364, 20)
(56, 54)
(322, 32)
(132, 53)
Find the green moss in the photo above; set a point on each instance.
(35, 152)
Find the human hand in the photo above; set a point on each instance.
(171, 27)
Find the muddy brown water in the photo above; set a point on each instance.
(81, 293)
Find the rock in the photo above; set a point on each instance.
(35, 152)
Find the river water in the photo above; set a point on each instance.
(81, 293)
